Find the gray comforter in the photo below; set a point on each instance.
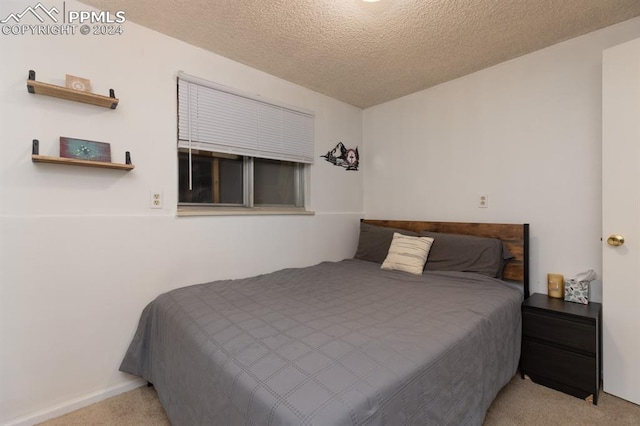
(333, 344)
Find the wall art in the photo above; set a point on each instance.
(85, 150)
(77, 83)
(343, 157)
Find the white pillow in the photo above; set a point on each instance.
(407, 254)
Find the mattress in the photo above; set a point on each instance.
(338, 343)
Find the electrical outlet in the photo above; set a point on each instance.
(483, 201)
(156, 200)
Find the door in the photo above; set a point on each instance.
(621, 215)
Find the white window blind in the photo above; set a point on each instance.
(216, 118)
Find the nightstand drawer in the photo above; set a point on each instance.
(571, 334)
(573, 369)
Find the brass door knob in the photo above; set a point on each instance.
(615, 240)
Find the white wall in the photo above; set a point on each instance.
(81, 252)
(527, 132)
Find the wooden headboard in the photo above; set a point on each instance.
(514, 236)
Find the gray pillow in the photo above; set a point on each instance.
(374, 242)
(466, 253)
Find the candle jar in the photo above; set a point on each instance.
(555, 285)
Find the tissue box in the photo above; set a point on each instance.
(576, 291)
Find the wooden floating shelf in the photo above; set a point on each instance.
(83, 163)
(70, 94)
(46, 89)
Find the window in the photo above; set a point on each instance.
(216, 180)
(277, 183)
(240, 152)
(223, 180)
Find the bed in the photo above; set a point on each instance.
(344, 343)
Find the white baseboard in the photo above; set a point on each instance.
(75, 404)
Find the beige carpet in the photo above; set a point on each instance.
(521, 402)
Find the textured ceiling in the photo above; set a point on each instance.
(368, 53)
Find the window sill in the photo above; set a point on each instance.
(215, 211)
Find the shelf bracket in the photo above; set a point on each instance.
(35, 147)
(112, 95)
(32, 76)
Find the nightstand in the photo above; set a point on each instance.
(562, 345)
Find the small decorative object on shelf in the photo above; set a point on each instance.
(77, 83)
(37, 158)
(85, 150)
(86, 97)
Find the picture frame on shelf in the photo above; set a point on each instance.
(77, 83)
(82, 149)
